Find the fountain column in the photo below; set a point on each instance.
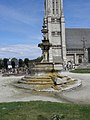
(45, 45)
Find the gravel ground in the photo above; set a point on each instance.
(81, 94)
(8, 93)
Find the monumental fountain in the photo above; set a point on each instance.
(45, 76)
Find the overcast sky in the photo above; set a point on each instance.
(21, 24)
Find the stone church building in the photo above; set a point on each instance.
(68, 44)
(74, 44)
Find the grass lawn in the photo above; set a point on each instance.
(81, 71)
(43, 111)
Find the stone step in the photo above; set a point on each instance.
(36, 77)
(41, 83)
(44, 80)
(37, 83)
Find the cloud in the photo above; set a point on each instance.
(20, 23)
(20, 51)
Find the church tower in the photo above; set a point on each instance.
(55, 22)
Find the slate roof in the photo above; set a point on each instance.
(74, 37)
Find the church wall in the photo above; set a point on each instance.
(75, 58)
(56, 40)
(55, 27)
(70, 58)
(56, 30)
(56, 35)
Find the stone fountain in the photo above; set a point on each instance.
(45, 75)
(45, 45)
(45, 66)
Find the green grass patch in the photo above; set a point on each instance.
(81, 71)
(43, 111)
